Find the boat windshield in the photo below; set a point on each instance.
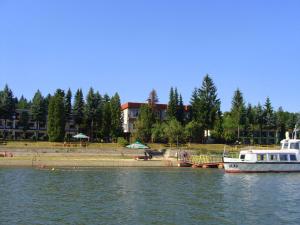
(294, 145)
(285, 145)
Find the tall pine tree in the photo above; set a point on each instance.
(238, 111)
(68, 105)
(153, 99)
(91, 112)
(23, 103)
(206, 105)
(106, 128)
(281, 122)
(78, 109)
(99, 114)
(38, 110)
(172, 105)
(56, 117)
(180, 115)
(7, 106)
(116, 116)
(259, 120)
(195, 105)
(268, 115)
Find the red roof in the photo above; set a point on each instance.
(130, 105)
(136, 105)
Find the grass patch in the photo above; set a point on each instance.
(61, 147)
(55, 145)
(58, 158)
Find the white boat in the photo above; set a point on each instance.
(286, 159)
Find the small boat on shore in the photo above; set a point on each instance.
(286, 159)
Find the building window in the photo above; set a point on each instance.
(134, 113)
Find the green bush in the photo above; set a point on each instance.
(122, 141)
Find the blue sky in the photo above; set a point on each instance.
(133, 46)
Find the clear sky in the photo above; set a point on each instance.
(133, 46)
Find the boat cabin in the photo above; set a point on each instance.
(270, 157)
(290, 144)
(285, 159)
(289, 152)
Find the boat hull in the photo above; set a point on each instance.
(261, 167)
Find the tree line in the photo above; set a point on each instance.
(101, 118)
(204, 118)
(96, 115)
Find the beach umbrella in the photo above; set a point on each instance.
(81, 136)
(137, 145)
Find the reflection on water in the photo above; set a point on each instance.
(147, 196)
(263, 198)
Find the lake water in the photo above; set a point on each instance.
(147, 196)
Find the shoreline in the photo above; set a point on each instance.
(87, 158)
(54, 158)
(92, 163)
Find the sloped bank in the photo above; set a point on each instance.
(44, 162)
(48, 158)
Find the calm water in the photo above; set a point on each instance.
(147, 196)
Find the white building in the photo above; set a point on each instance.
(131, 111)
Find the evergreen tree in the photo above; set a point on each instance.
(152, 102)
(153, 99)
(99, 114)
(106, 128)
(268, 115)
(24, 122)
(259, 119)
(176, 98)
(38, 111)
(180, 111)
(61, 93)
(91, 112)
(1, 104)
(281, 122)
(249, 123)
(56, 117)
(7, 106)
(293, 119)
(23, 103)
(68, 105)
(238, 110)
(46, 102)
(208, 106)
(78, 109)
(68, 112)
(116, 116)
(175, 106)
(144, 123)
(172, 105)
(195, 105)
